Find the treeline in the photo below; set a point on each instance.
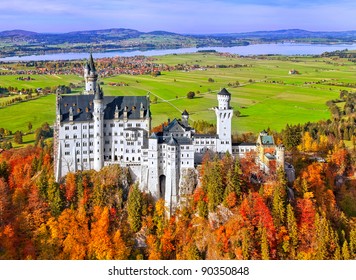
(102, 215)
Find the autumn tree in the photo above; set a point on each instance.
(100, 246)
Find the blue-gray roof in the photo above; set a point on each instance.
(224, 92)
(83, 106)
(267, 140)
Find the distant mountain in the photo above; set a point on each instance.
(17, 33)
(289, 34)
(122, 38)
(122, 33)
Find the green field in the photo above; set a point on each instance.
(266, 97)
(39, 81)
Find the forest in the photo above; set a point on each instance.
(104, 215)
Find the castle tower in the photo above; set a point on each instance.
(153, 181)
(224, 115)
(90, 76)
(280, 157)
(98, 115)
(185, 118)
(172, 176)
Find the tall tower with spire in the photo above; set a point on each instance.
(90, 76)
(224, 115)
(98, 115)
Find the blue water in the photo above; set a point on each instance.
(258, 49)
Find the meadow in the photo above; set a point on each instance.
(267, 95)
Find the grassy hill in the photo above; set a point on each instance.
(267, 95)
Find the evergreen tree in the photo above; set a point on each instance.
(134, 208)
(215, 188)
(264, 245)
(353, 243)
(345, 251)
(54, 198)
(279, 198)
(292, 231)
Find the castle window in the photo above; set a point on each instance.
(91, 144)
(133, 158)
(91, 151)
(129, 125)
(78, 152)
(139, 159)
(77, 144)
(85, 135)
(107, 142)
(104, 124)
(85, 152)
(91, 126)
(85, 159)
(74, 127)
(78, 160)
(115, 133)
(91, 135)
(67, 153)
(121, 124)
(138, 125)
(84, 127)
(66, 128)
(67, 136)
(66, 145)
(112, 125)
(115, 141)
(121, 142)
(91, 159)
(75, 136)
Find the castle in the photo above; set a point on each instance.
(92, 131)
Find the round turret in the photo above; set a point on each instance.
(280, 156)
(224, 98)
(185, 117)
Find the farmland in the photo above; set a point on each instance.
(262, 90)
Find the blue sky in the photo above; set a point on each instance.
(194, 16)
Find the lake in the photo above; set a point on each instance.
(257, 49)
